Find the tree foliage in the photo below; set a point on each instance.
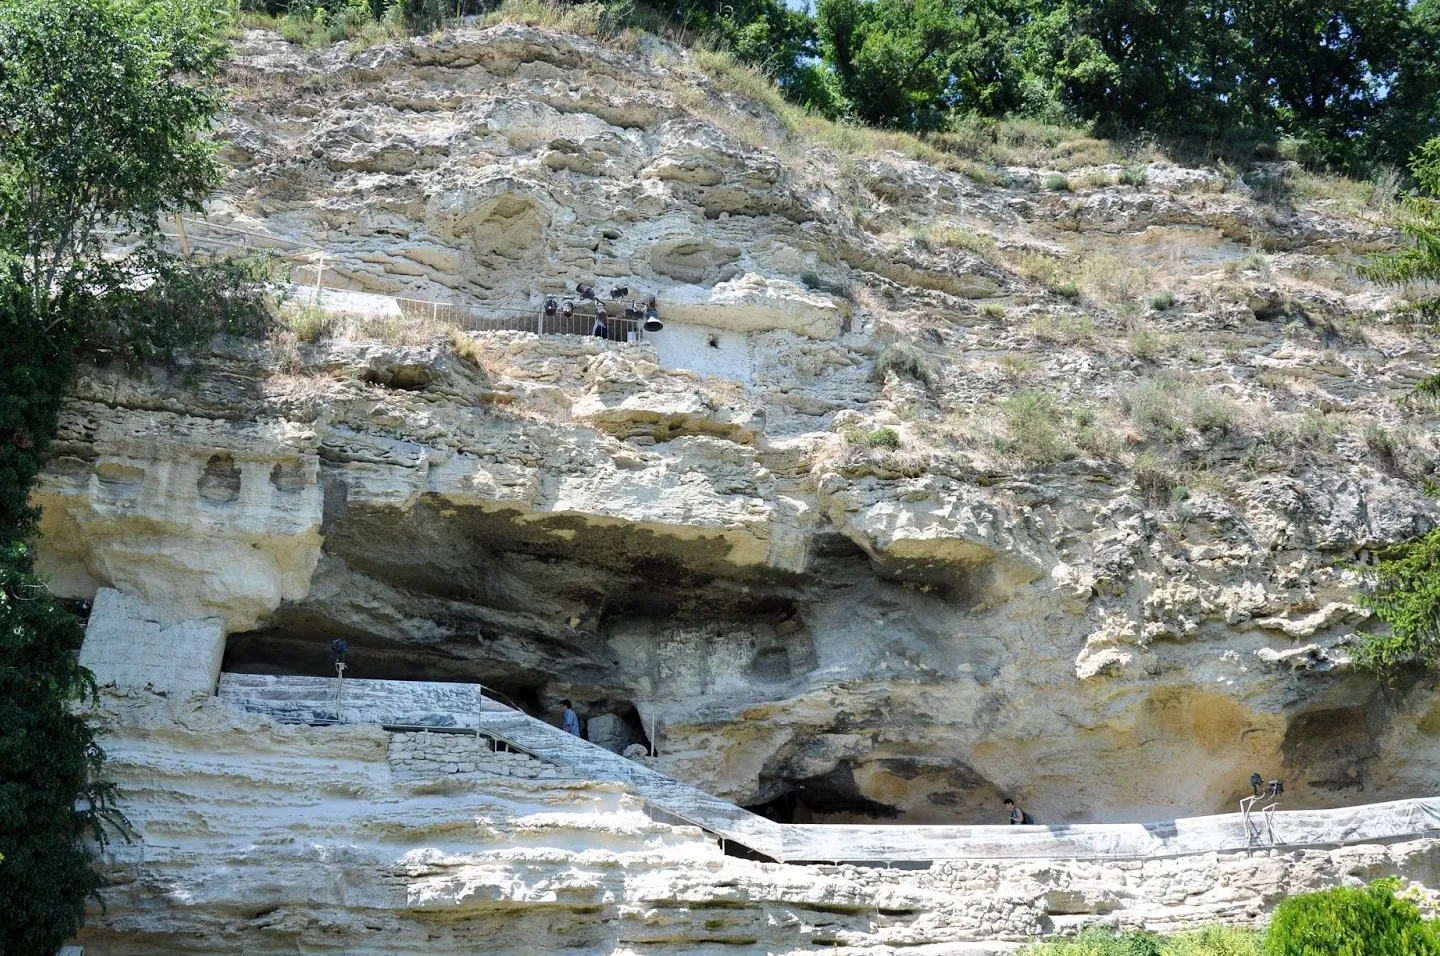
(1356, 79)
(102, 120)
(1403, 589)
(1421, 222)
(105, 113)
(1346, 921)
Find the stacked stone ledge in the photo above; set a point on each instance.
(431, 755)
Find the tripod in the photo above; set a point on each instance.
(1261, 791)
(338, 649)
(339, 690)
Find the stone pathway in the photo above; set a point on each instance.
(432, 704)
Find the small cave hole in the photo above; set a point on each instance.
(220, 481)
(714, 340)
(405, 378)
(771, 663)
(288, 476)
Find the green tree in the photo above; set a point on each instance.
(1410, 112)
(1321, 67)
(105, 113)
(1346, 921)
(891, 58)
(766, 34)
(1403, 587)
(1420, 219)
(1131, 63)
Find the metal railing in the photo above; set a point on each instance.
(500, 319)
(193, 238)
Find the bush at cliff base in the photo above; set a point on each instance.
(1351, 922)
(1097, 941)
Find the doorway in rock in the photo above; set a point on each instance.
(613, 724)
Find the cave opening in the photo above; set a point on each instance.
(614, 724)
(829, 797)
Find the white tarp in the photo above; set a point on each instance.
(1371, 823)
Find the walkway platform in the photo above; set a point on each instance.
(461, 707)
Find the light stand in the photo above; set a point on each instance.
(1274, 790)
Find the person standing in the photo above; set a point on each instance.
(1018, 817)
(569, 721)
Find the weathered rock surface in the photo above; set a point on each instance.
(259, 838)
(1085, 552)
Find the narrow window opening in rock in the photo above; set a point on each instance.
(220, 481)
(288, 477)
(714, 341)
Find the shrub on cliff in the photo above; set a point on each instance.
(105, 112)
(1403, 587)
(1346, 921)
(1211, 941)
(905, 360)
(1420, 219)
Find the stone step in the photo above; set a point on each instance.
(461, 706)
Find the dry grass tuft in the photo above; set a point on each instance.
(1171, 407)
(1063, 329)
(958, 237)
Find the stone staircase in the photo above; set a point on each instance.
(461, 706)
(424, 704)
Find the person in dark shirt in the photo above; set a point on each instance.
(1018, 817)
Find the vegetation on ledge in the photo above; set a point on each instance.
(1343, 921)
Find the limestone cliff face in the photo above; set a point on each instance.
(1102, 569)
(263, 839)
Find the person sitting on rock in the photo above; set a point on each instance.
(570, 722)
(602, 326)
(1018, 817)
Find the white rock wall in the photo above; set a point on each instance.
(133, 644)
(432, 754)
(258, 838)
(688, 347)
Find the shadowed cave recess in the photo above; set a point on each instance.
(836, 694)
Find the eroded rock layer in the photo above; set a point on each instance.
(260, 838)
(1090, 553)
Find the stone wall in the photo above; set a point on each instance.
(427, 754)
